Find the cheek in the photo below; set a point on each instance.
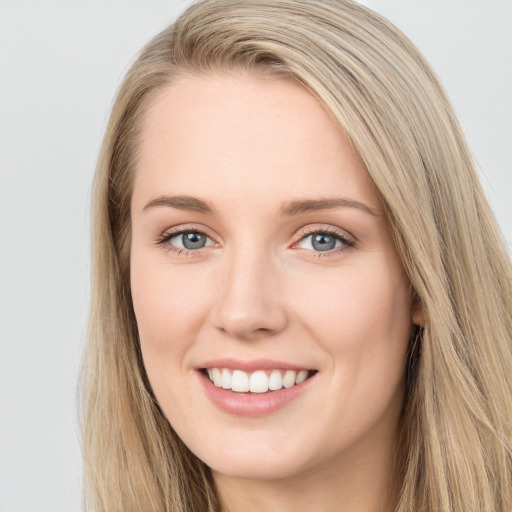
(363, 320)
(359, 301)
(169, 310)
(170, 306)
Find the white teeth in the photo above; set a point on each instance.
(275, 381)
(240, 381)
(301, 376)
(217, 377)
(226, 379)
(289, 378)
(259, 381)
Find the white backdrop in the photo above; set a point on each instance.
(60, 65)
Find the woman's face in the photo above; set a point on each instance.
(261, 255)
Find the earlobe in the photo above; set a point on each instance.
(418, 316)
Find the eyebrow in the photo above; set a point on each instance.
(291, 208)
(182, 203)
(312, 205)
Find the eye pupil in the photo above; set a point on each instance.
(193, 240)
(322, 242)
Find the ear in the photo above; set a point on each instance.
(418, 316)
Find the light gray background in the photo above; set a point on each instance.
(60, 65)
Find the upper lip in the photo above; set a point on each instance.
(252, 365)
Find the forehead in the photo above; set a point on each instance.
(247, 135)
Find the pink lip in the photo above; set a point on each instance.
(251, 404)
(251, 366)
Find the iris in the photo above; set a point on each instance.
(323, 242)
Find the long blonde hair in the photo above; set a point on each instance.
(456, 441)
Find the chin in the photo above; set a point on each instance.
(256, 460)
(256, 469)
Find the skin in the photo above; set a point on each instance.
(247, 145)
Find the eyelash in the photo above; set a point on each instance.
(347, 242)
(166, 237)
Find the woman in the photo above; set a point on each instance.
(300, 296)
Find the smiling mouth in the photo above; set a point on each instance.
(259, 381)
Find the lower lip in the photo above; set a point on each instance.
(252, 404)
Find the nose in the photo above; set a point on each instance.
(250, 304)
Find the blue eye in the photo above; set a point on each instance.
(321, 241)
(190, 240)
